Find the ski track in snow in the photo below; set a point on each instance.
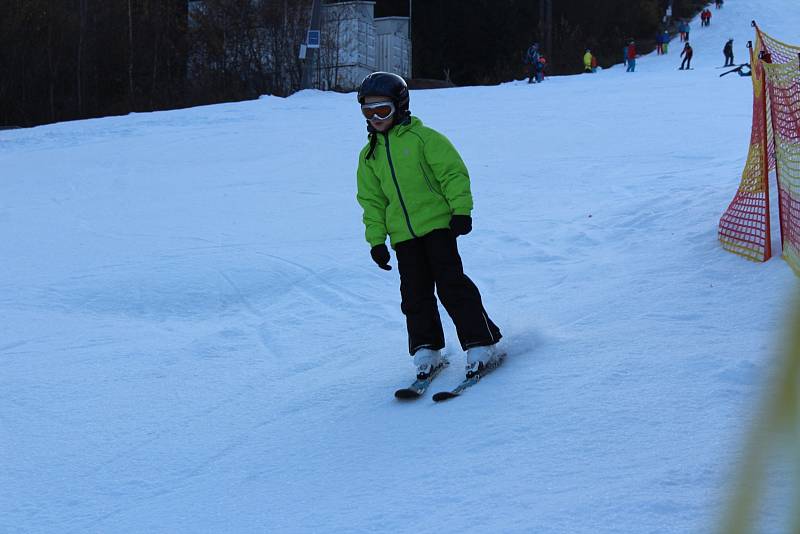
(196, 340)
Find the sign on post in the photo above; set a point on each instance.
(313, 38)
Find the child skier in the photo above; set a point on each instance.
(687, 54)
(414, 187)
(540, 67)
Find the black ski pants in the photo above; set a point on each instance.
(432, 261)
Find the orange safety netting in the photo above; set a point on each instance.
(774, 145)
(783, 87)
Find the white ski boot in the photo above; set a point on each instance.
(427, 361)
(481, 358)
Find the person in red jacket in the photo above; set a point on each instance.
(687, 54)
(705, 17)
(630, 56)
(540, 68)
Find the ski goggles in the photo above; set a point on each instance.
(378, 110)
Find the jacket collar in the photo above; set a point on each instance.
(398, 129)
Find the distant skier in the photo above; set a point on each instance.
(630, 55)
(659, 44)
(687, 53)
(705, 17)
(589, 62)
(728, 51)
(532, 59)
(665, 42)
(541, 65)
(684, 29)
(719, 3)
(414, 187)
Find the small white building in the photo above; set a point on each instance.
(354, 43)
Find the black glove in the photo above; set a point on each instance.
(380, 255)
(461, 224)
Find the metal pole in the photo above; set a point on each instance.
(550, 28)
(541, 18)
(308, 67)
(410, 42)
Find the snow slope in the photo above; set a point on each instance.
(194, 338)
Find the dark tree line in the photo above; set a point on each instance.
(241, 49)
(70, 59)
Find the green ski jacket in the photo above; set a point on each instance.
(412, 184)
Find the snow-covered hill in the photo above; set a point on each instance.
(194, 338)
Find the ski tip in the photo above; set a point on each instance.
(406, 394)
(443, 396)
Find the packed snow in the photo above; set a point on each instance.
(194, 338)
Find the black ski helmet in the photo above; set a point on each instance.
(386, 84)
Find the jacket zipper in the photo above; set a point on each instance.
(428, 182)
(397, 186)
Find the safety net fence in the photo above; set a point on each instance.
(744, 228)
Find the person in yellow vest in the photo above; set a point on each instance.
(588, 61)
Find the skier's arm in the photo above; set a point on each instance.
(373, 201)
(450, 171)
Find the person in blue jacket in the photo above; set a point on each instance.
(684, 28)
(532, 59)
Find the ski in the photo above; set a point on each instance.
(418, 388)
(467, 382)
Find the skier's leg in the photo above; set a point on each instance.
(418, 300)
(458, 294)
